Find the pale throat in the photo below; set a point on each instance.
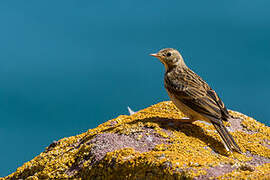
(179, 63)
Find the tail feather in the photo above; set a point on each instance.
(227, 138)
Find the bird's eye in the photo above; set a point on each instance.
(168, 54)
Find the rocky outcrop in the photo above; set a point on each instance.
(153, 144)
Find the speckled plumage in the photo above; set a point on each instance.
(193, 96)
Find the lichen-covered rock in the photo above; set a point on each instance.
(153, 144)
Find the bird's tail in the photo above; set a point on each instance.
(227, 138)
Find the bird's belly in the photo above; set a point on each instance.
(186, 110)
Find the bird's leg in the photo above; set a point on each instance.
(184, 121)
(187, 119)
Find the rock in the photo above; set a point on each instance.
(153, 144)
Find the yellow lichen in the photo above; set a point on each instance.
(188, 150)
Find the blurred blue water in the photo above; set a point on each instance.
(67, 66)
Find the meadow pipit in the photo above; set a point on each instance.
(193, 96)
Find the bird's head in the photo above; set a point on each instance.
(170, 58)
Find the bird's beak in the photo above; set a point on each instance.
(155, 55)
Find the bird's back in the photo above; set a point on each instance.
(194, 92)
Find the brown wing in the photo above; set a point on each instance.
(196, 94)
(223, 109)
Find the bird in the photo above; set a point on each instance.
(193, 96)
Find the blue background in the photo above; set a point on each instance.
(67, 66)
